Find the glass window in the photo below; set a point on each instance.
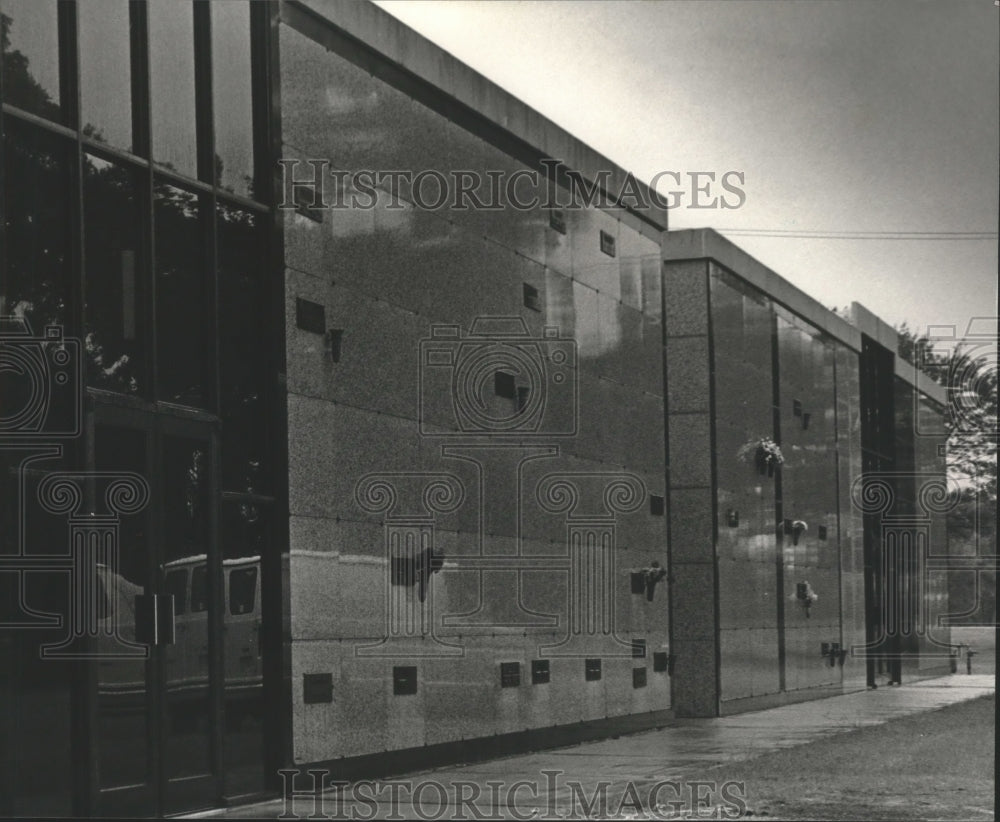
(37, 699)
(243, 347)
(38, 254)
(171, 70)
(106, 71)
(242, 590)
(244, 531)
(112, 313)
(244, 540)
(232, 98)
(183, 362)
(29, 32)
(186, 497)
(122, 753)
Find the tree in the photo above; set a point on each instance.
(20, 87)
(969, 375)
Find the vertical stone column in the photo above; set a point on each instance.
(692, 567)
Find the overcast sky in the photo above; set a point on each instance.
(844, 116)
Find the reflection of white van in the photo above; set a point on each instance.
(122, 678)
(186, 660)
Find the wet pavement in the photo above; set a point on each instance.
(561, 783)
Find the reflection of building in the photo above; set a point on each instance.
(257, 363)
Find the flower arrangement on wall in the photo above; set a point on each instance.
(763, 452)
(651, 576)
(806, 595)
(799, 527)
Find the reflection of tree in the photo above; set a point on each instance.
(220, 182)
(968, 374)
(182, 292)
(242, 344)
(194, 489)
(20, 88)
(36, 285)
(37, 281)
(110, 229)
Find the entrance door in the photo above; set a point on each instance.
(158, 718)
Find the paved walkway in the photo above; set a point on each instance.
(684, 749)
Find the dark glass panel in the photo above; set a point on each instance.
(183, 359)
(113, 326)
(244, 542)
(243, 348)
(29, 33)
(36, 285)
(187, 501)
(171, 69)
(35, 718)
(106, 71)
(123, 682)
(232, 98)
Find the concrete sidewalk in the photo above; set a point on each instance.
(552, 781)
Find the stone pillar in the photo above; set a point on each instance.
(694, 629)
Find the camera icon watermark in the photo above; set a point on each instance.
(497, 400)
(41, 404)
(99, 618)
(41, 387)
(907, 511)
(497, 380)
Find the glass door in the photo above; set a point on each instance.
(188, 573)
(125, 705)
(158, 717)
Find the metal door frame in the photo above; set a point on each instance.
(160, 795)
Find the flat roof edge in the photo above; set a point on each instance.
(884, 334)
(912, 375)
(706, 243)
(400, 44)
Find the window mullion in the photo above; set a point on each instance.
(207, 172)
(204, 122)
(69, 65)
(139, 51)
(142, 130)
